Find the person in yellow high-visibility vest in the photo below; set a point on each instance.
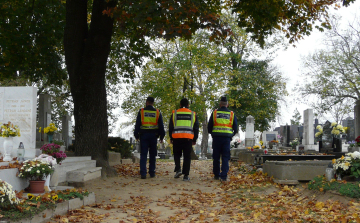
(222, 126)
(183, 132)
(148, 128)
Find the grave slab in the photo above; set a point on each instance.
(295, 170)
(126, 161)
(90, 199)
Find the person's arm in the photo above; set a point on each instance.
(210, 124)
(137, 126)
(196, 129)
(171, 127)
(161, 127)
(235, 126)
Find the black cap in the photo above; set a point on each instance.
(150, 99)
(224, 99)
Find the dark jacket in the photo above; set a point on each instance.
(211, 125)
(159, 132)
(195, 128)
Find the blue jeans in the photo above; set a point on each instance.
(221, 147)
(148, 143)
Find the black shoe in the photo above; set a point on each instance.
(216, 178)
(177, 174)
(143, 177)
(186, 178)
(223, 180)
(152, 176)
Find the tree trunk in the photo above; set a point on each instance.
(86, 53)
(205, 135)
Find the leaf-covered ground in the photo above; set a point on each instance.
(244, 198)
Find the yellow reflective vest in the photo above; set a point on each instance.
(149, 119)
(183, 120)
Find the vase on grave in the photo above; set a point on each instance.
(36, 186)
(337, 144)
(54, 179)
(8, 146)
(50, 138)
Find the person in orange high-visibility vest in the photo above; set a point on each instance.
(148, 128)
(183, 132)
(222, 126)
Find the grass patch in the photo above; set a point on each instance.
(349, 189)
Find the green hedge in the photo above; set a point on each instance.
(120, 145)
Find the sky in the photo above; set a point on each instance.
(289, 63)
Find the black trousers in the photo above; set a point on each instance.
(182, 146)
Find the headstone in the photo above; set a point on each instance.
(350, 124)
(309, 135)
(286, 135)
(357, 118)
(249, 134)
(294, 132)
(268, 136)
(67, 130)
(18, 105)
(44, 114)
(327, 138)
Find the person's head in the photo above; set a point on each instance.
(184, 103)
(223, 102)
(149, 101)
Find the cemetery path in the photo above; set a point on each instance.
(245, 198)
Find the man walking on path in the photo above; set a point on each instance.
(149, 126)
(183, 132)
(222, 126)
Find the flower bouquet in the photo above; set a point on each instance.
(9, 130)
(53, 150)
(295, 142)
(319, 133)
(50, 130)
(348, 165)
(35, 169)
(256, 147)
(7, 196)
(337, 130)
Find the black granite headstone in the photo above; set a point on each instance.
(327, 138)
(286, 135)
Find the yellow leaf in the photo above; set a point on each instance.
(307, 211)
(319, 205)
(212, 214)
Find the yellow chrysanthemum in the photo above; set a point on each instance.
(333, 124)
(333, 161)
(55, 197)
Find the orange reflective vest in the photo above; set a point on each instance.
(183, 120)
(149, 119)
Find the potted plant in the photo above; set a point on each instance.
(53, 150)
(35, 171)
(8, 131)
(49, 130)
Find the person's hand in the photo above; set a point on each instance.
(193, 143)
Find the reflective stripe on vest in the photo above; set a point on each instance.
(183, 120)
(149, 119)
(223, 121)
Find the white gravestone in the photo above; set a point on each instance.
(308, 134)
(18, 105)
(249, 133)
